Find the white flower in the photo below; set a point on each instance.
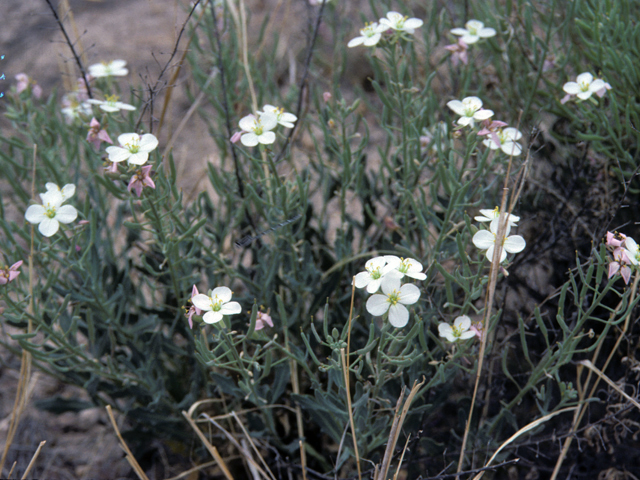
(258, 129)
(469, 109)
(474, 30)
(490, 215)
(508, 138)
(133, 148)
(405, 266)
(111, 104)
(369, 36)
(67, 191)
(376, 269)
(51, 213)
(283, 118)
(459, 331)
(217, 305)
(632, 251)
(486, 239)
(394, 300)
(104, 69)
(400, 23)
(585, 86)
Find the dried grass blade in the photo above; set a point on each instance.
(33, 460)
(130, 458)
(524, 429)
(212, 450)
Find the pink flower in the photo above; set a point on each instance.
(459, 51)
(9, 274)
(263, 318)
(326, 96)
(193, 310)
(96, 134)
(236, 137)
(615, 239)
(490, 129)
(140, 180)
(620, 264)
(25, 82)
(477, 329)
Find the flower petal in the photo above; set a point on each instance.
(483, 239)
(572, 88)
(148, 142)
(462, 322)
(66, 214)
(212, 317)
(139, 158)
(409, 294)
(249, 139)
(398, 315)
(377, 305)
(231, 308)
(117, 154)
(267, 138)
(48, 227)
(221, 293)
(514, 244)
(201, 301)
(35, 214)
(362, 279)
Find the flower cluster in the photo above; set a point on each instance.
(625, 255)
(498, 137)
(486, 239)
(258, 129)
(52, 213)
(501, 138)
(395, 22)
(26, 83)
(585, 86)
(386, 273)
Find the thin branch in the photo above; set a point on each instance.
(73, 50)
(154, 90)
(303, 82)
(225, 106)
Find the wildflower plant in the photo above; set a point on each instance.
(351, 226)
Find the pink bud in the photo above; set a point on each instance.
(236, 137)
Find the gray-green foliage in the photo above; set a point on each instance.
(110, 294)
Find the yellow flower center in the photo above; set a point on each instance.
(393, 297)
(457, 330)
(112, 99)
(133, 147)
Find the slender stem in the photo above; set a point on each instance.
(225, 106)
(303, 82)
(73, 50)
